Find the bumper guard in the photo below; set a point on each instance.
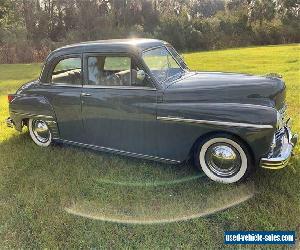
(283, 149)
(9, 122)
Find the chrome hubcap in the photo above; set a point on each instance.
(40, 130)
(223, 159)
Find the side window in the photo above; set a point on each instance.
(67, 71)
(113, 71)
(161, 64)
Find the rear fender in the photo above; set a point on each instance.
(24, 107)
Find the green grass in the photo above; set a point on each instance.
(37, 185)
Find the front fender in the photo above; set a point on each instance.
(226, 112)
(254, 124)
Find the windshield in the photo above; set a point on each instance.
(161, 63)
(178, 58)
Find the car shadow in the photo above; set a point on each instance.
(111, 188)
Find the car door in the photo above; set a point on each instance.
(119, 111)
(63, 88)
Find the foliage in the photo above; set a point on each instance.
(188, 25)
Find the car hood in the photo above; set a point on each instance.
(227, 87)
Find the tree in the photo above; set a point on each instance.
(288, 10)
(235, 5)
(206, 8)
(260, 10)
(5, 8)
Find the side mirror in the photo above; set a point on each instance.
(140, 75)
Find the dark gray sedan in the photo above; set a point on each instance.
(138, 98)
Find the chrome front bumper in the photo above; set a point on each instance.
(9, 122)
(281, 153)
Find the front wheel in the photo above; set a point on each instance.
(39, 132)
(223, 158)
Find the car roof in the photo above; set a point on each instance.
(135, 45)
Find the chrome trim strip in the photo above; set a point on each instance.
(218, 123)
(64, 85)
(121, 152)
(51, 122)
(33, 115)
(247, 105)
(87, 86)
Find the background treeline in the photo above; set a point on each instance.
(29, 29)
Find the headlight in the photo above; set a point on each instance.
(280, 122)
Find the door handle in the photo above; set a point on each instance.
(85, 94)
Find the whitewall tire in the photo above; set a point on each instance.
(223, 159)
(40, 132)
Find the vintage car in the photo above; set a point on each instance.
(137, 97)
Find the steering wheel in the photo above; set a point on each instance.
(162, 75)
(114, 78)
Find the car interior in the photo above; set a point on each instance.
(113, 71)
(102, 71)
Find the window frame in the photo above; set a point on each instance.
(157, 47)
(86, 84)
(56, 61)
(182, 63)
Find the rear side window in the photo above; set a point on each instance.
(67, 71)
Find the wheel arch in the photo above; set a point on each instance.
(201, 139)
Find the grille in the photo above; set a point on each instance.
(277, 141)
(282, 112)
(279, 133)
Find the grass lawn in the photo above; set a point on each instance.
(70, 198)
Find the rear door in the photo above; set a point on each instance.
(63, 89)
(119, 111)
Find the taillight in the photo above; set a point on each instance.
(10, 98)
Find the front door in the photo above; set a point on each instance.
(119, 110)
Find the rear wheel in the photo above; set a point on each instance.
(40, 132)
(223, 158)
